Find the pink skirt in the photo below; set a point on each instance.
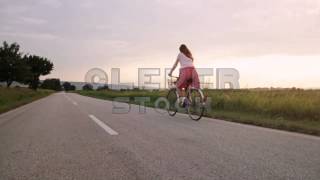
(188, 77)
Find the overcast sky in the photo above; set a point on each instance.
(271, 43)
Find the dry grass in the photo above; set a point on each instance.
(287, 109)
(11, 98)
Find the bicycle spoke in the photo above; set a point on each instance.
(172, 99)
(195, 108)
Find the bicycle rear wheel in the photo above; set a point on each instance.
(195, 106)
(172, 98)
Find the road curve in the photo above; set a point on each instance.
(68, 136)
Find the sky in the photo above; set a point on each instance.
(271, 43)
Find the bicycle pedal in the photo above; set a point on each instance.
(186, 103)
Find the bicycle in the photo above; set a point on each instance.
(194, 102)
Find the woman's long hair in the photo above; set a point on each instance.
(183, 48)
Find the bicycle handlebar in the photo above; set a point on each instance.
(173, 76)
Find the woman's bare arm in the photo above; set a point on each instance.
(174, 67)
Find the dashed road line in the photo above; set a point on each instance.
(96, 120)
(72, 101)
(103, 125)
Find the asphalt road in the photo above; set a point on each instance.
(68, 136)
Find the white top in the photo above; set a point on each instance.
(184, 61)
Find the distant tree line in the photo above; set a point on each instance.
(89, 87)
(55, 84)
(22, 68)
(68, 86)
(27, 69)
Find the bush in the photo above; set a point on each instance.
(101, 88)
(72, 88)
(52, 84)
(87, 87)
(68, 86)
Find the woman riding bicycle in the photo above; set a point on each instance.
(188, 75)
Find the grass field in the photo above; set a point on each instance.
(287, 109)
(11, 98)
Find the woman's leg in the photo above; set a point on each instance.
(182, 92)
(181, 83)
(195, 79)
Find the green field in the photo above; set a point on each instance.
(11, 98)
(287, 109)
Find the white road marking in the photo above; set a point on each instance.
(72, 101)
(103, 125)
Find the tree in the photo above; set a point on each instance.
(72, 88)
(87, 87)
(12, 66)
(102, 88)
(52, 84)
(39, 66)
(68, 86)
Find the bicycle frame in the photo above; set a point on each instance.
(187, 90)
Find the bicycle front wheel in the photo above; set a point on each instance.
(195, 107)
(172, 98)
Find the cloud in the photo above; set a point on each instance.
(115, 43)
(154, 28)
(86, 4)
(13, 9)
(52, 3)
(178, 2)
(34, 21)
(38, 36)
(103, 27)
